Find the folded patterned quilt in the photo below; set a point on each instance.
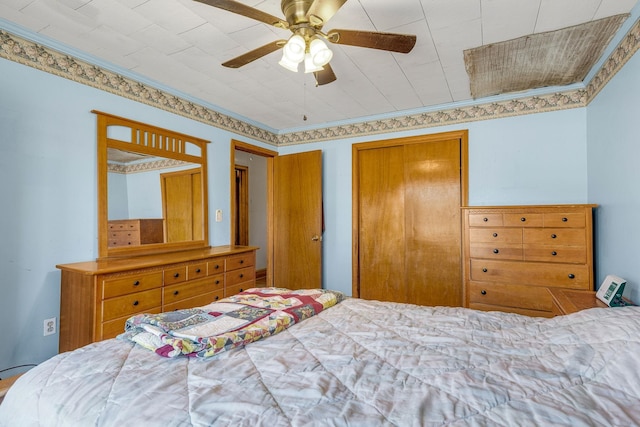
(229, 323)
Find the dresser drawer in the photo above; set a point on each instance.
(113, 328)
(495, 251)
(240, 261)
(215, 266)
(175, 275)
(497, 235)
(233, 290)
(189, 289)
(574, 276)
(567, 254)
(517, 310)
(123, 225)
(242, 275)
(517, 219)
(528, 297)
(122, 285)
(197, 301)
(129, 304)
(485, 220)
(555, 236)
(123, 238)
(574, 220)
(196, 271)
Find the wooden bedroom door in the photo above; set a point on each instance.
(297, 220)
(407, 220)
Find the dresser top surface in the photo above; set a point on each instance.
(104, 266)
(534, 207)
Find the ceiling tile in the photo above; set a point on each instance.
(181, 44)
(557, 14)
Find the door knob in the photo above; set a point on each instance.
(316, 238)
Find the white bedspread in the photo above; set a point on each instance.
(360, 363)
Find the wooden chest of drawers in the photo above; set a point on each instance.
(134, 232)
(97, 297)
(514, 254)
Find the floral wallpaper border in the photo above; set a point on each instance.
(20, 50)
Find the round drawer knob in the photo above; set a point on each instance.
(572, 276)
(176, 292)
(217, 266)
(198, 270)
(485, 219)
(484, 270)
(553, 236)
(564, 220)
(217, 282)
(176, 275)
(495, 251)
(241, 289)
(495, 234)
(241, 276)
(136, 283)
(554, 253)
(523, 219)
(136, 302)
(483, 292)
(241, 261)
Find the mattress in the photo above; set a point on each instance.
(358, 363)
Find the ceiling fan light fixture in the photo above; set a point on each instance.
(310, 66)
(320, 53)
(288, 64)
(295, 48)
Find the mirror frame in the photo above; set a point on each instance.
(154, 141)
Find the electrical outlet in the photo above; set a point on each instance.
(218, 215)
(49, 326)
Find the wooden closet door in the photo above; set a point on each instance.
(433, 260)
(407, 219)
(382, 224)
(180, 189)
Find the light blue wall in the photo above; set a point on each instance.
(614, 176)
(48, 184)
(532, 159)
(48, 194)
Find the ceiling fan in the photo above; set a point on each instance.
(305, 19)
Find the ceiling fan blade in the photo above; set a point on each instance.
(325, 76)
(248, 11)
(251, 56)
(402, 43)
(325, 9)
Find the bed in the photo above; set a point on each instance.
(355, 363)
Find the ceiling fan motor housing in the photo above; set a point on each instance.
(295, 11)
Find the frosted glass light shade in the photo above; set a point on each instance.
(320, 53)
(309, 66)
(289, 65)
(295, 48)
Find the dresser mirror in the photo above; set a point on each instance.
(152, 189)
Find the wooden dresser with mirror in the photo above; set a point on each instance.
(153, 245)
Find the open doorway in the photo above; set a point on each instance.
(252, 169)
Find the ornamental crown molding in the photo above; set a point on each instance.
(138, 167)
(20, 50)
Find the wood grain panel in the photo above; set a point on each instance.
(298, 220)
(575, 276)
(382, 224)
(432, 223)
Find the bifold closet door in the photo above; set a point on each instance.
(409, 233)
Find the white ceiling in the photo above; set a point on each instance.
(180, 44)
